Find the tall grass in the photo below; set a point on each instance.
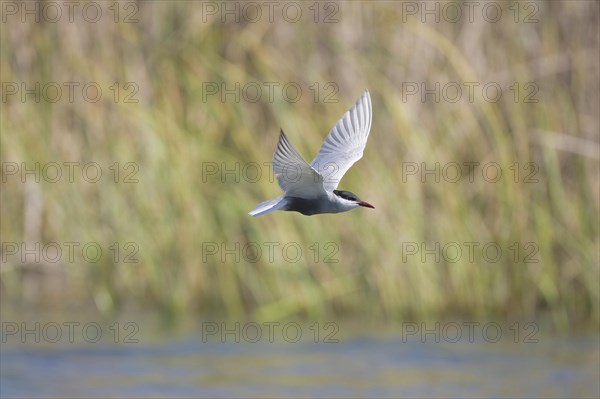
(175, 130)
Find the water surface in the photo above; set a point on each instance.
(367, 364)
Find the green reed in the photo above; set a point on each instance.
(542, 212)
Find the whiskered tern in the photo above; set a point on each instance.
(312, 189)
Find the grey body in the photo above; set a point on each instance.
(306, 206)
(324, 204)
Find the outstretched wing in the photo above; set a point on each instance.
(294, 175)
(345, 143)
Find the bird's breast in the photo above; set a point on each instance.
(307, 206)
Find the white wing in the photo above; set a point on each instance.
(345, 143)
(294, 175)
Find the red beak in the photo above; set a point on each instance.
(366, 204)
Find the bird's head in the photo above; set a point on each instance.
(351, 199)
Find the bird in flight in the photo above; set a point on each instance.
(312, 189)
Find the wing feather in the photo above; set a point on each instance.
(294, 175)
(345, 143)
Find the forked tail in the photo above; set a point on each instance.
(268, 206)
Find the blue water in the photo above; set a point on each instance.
(369, 365)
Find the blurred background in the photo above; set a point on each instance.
(136, 136)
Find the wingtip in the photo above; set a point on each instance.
(282, 138)
(366, 95)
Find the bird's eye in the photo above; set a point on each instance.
(346, 195)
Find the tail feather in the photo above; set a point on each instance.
(268, 206)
